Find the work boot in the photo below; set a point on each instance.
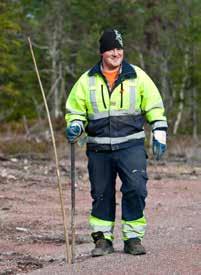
(133, 246)
(102, 245)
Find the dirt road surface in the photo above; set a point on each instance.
(31, 228)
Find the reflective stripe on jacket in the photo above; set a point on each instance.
(117, 116)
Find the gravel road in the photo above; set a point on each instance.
(173, 237)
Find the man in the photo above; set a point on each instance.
(111, 103)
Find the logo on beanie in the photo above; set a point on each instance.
(118, 37)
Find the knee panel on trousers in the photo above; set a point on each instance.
(136, 183)
(134, 193)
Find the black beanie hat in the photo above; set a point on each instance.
(110, 39)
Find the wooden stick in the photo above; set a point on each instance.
(56, 157)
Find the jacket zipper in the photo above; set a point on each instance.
(103, 99)
(110, 92)
(121, 91)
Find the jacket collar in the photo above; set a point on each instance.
(127, 71)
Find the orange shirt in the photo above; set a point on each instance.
(111, 76)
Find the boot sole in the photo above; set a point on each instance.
(135, 253)
(99, 253)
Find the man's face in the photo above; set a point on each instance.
(112, 59)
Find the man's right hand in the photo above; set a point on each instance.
(73, 131)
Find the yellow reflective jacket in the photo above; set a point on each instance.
(114, 119)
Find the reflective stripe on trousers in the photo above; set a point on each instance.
(130, 229)
(106, 227)
(134, 229)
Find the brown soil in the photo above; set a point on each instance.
(31, 226)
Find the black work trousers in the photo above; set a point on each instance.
(103, 167)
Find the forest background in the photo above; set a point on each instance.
(162, 37)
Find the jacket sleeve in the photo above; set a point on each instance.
(76, 102)
(151, 104)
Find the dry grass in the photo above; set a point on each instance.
(184, 147)
(15, 140)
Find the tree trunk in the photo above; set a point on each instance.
(165, 85)
(194, 114)
(54, 56)
(182, 91)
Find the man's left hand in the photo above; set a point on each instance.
(159, 143)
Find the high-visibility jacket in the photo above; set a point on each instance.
(114, 119)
